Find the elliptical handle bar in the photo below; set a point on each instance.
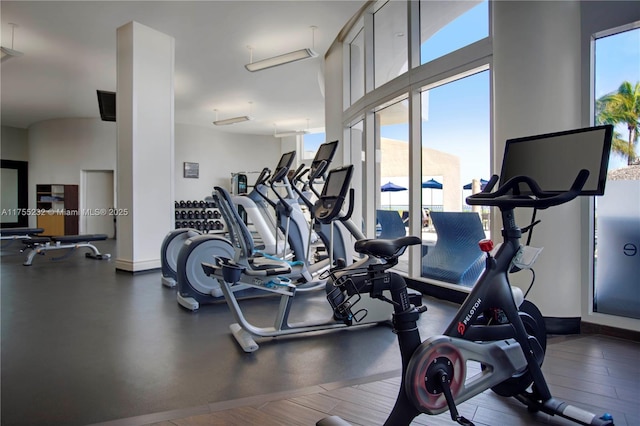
(352, 198)
(507, 195)
(300, 171)
(263, 177)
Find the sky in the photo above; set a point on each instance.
(467, 101)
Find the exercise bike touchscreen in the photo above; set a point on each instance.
(554, 160)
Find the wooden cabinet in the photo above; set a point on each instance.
(57, 209)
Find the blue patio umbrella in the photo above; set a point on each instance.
(483, 183)
(391, 187)
(431, 184)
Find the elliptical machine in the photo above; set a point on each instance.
(195, 288)
(494, 326)
(337, 235)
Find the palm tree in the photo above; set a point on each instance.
(622, 107)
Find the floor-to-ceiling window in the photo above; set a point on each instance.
(455, 163)
(446, 26)
(418, 72)
(392, 165)
(617, 213)
(390, 41)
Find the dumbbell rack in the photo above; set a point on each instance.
(199, 214)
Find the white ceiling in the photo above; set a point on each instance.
(70, 52)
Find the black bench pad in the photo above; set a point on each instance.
(79, 238)
(8, 232)
(36, 240)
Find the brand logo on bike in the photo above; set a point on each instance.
(462, 325)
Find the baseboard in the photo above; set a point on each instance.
(126, 265)
(444, 293)
(562, 325)
(606, 330)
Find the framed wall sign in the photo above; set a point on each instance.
(192, 170)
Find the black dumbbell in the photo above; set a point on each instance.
(216, 214)
(183, 204)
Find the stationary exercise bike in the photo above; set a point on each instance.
(229, 273)
(494, 326)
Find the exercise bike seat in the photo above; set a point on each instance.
(386, 249)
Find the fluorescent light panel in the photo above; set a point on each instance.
(293, 133)
(281, 60)
(233, 120)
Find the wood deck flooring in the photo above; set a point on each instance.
(598, 373)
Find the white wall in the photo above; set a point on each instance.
(14, 144)
(536, 69)
(60, 149)
(219, 154)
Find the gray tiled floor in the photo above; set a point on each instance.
(82, 343)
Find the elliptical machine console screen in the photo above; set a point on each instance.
(283, 167)
(333, 193)
(286, 160)
(554, 160)
(325, 153)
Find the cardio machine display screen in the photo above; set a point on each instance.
(286, 160)
(325, 153)
(554, 160)
(337, 182)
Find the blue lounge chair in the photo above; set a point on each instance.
(391, 225)
(456, 257)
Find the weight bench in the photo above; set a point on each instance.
(40, 245)
(13, 234)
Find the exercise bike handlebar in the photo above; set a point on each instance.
(508, 196)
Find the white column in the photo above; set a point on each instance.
(536, 82)
(145, 166)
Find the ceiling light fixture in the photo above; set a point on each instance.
(292, 133)
(289, 133)
(233, 120)
(10, 53)
(275, 61)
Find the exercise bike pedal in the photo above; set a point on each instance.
(442, 370)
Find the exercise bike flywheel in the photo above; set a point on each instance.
(422, 380)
